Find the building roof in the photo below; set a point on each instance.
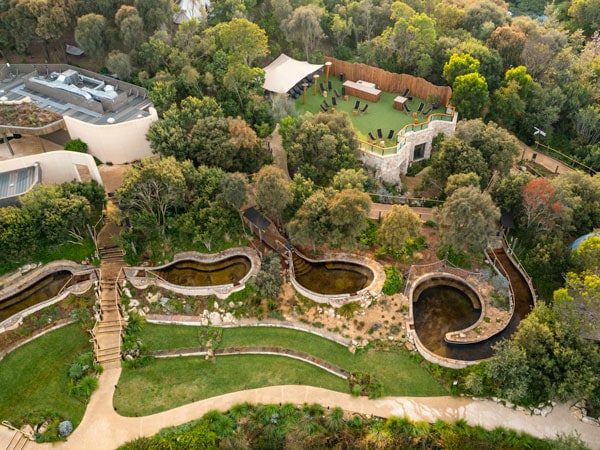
(256, 218)
(13, 183)
(285, 72)
(190, 9)
(577, 242)
(16, 83)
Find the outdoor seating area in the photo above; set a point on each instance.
(367, 117)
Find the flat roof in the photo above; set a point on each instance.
(18, 181)
(12, 88)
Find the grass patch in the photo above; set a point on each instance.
(396, 369)
(147, 390)
(35, 376)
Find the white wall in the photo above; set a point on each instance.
(117, 143)
(57, 166)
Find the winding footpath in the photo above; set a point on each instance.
(102, 428)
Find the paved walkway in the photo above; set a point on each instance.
(102, 428)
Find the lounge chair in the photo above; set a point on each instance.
(321, 87)
(390, 134)
(344, 90)
(406, 108)
(337, 94)
(329, 85)
(420, 108)
(379, 133)
(357, 104)
(406, 92)
(371, 136)
(427, 111)
(327, 105)
(364, 110)
(323, 108)
(333, 101)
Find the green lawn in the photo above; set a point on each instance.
(34, 377)
(379, 115)
(167, 383)
(400, 374)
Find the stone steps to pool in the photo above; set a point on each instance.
(301, 267)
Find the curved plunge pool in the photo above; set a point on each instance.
(190, 272)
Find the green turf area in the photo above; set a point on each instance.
(34, 377)
(379, 115)
(398, 372)
(167, 383)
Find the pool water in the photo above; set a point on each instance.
(195, 273)
(42, 290)
(332, 278)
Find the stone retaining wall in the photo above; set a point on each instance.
(298, 326)
(255, 350)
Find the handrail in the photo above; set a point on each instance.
(495, 261)
(7, 424)
(513, 256)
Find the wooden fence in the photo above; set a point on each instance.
(390, 82)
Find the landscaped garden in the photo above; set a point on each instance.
(145, 390)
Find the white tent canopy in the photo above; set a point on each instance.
(190, 9)
(283, 73)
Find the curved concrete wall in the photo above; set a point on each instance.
(374, 289)
(117, 143)
(222, 292)
(57, 166)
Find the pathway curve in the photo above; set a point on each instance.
(102, 427)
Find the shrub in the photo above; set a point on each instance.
(76, 145)
(65, 428)
(365, 384)
(369, 236)
(393, 281)
(348, 309)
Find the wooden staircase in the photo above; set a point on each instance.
(108, 331)
(19, 440)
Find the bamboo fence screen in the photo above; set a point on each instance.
(390, 82)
